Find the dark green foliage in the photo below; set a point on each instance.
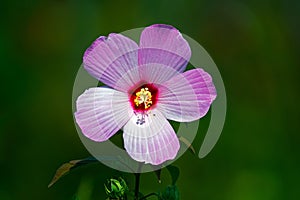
(174, 172)
(170, 193)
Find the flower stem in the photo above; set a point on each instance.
(137, 186)
(137, 182)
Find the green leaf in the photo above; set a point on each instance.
(188, 144)
(174, 172)
(67, 167)
(170, 193)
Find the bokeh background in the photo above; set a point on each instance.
(255, 44)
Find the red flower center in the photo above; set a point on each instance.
(144, 97)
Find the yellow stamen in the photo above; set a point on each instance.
(144, 96)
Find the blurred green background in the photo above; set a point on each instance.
(255, 44)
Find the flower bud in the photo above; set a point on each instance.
(116, 188)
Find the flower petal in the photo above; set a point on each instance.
(156, 73)
(113, 61)
(101, 112)
(165, 45)
(152, 142)
(187, 96)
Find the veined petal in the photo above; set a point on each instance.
(113, 61)
(165, 45)
(156, 73)
(187, 96)
(152, 140)
(101, 112)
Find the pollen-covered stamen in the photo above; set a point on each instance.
(144, 96)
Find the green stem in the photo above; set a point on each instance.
(137, 186)
(137, 182)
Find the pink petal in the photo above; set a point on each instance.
(187, 97)
(153, 142)
(113, 61)
(101, 112)
(156, 73)
(165, 45)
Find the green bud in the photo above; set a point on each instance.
(116, 188)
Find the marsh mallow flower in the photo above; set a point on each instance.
(146, 86)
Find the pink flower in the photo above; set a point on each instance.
(147, 87)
